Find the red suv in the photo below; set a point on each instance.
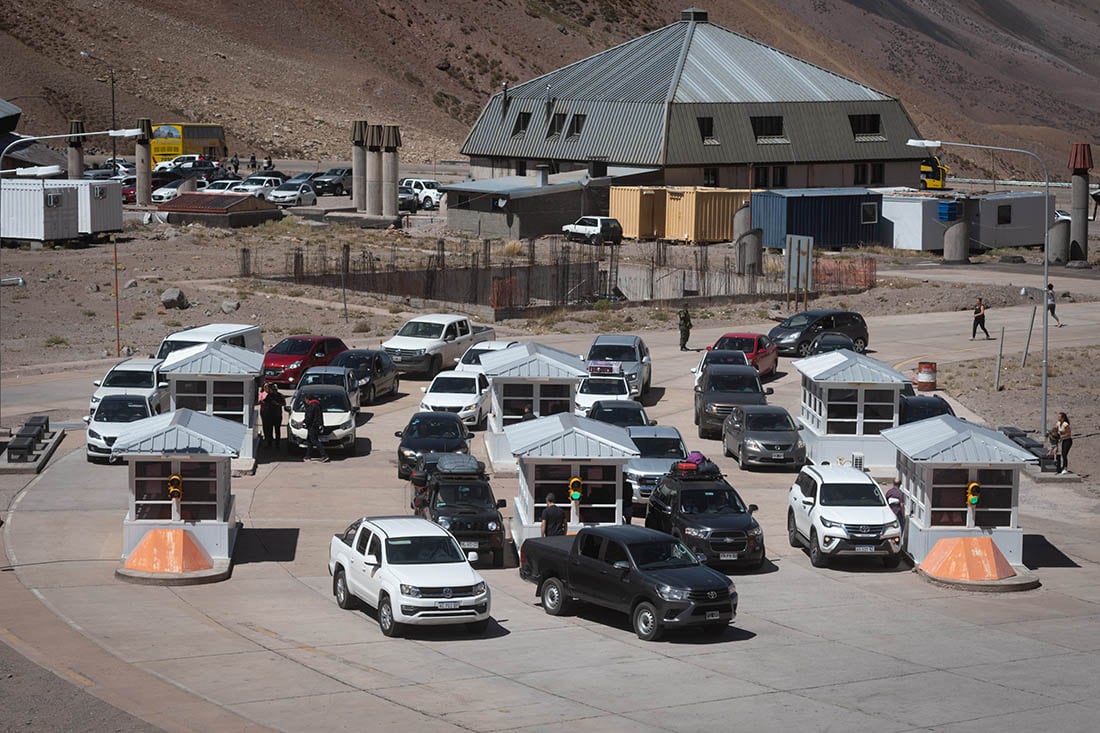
(760, 350)
(286, 361)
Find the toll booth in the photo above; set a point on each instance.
(959, 480)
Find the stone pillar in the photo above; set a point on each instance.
(359, 165)
(1080, 162)
(74, 158)
(391, 141)
(374, 170)
(143, 164)
(956, 243)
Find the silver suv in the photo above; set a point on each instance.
(630, 352)
(660, 446)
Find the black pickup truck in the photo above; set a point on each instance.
(649, 575)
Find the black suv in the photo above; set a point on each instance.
(696, 504)
(721, 387)
(795, 336)
(334, 181)
(459, 499)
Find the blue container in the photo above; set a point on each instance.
(948, 210)
(834, 217)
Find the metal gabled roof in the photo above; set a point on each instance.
(182, 431)
(947, 439)
(566, 435)
(533, 361)
(214, 360)
(848, 367)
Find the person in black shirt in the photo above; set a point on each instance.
(553, 519)
(272, 403)
(314, 421)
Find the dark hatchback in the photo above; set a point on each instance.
(795, 336)
(430, 432)
(697, 505)
(624, 413)
(722, 387)
(374, 370)
(828, 341)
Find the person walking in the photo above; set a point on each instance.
(1052, 303)
(314, 421)
(251, 161)
(1065, 442)
(685, 327)
(236, 163)
(268, 165)
(272, 403)
(553, 519)
(979, 320)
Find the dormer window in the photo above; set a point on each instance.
(576, 124)
(523, 119)
(768, 130)
(866, 128)
(557, 124)
(706, 130)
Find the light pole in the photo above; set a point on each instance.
(1046, 246)
(114, 121)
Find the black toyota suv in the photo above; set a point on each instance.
(696, 504)
(459, 499)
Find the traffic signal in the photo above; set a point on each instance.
(575, 489)
(973, 493)
(175, 486)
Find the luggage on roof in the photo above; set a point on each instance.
(460, 464)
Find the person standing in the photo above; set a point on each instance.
(235, 162)
(553, 519)
(272, 403)
(314, 421)
(979, 320)
(1052, 303)
(685, 327)
(251, 161)
(1065, 442)
(895, 499)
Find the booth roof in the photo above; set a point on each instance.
(182, 431)
(947, 439)
(849, 367)
(566, 435)
(215, 360)
(533, 360)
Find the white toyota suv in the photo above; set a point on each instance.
(464, 393)
(840, 510)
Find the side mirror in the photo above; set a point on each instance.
(449, 337)
(162, 385)
(894, 501)
(753, 508)
(646, 359)
(399, 434)
(318, 355)
(808, 501)
(458, 359)
(501, 503)
(99, 383)
(709, 348)
(372, 560)
(423, 389)
(701, 558)
(652, 423)
(87, 419)
(286, 408)
(694, 370)
(769, 390)
(621, 565)
(472, 557)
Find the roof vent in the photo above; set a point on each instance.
(696, 15)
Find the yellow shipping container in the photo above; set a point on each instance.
(640, 210)
(702, 215)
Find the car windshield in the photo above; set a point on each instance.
(334, 172)
(288, 187)
(302, 177)
(322, 378)
(851, 495)
(661, 447)
(661, 554)
(725, 357)
(475, 496)
(330, 401)
(711, 501)
(423, 550)
(769, 422)
(429, 184)
(292, 347)
(168, 347)
(453, 385)
(603, 386)
(421, 330)
(735, 343)
(358, 362)
(124, 410)
(433, 427)
(733, 383)
(129, 378)
(622, 416)
(473, 356)
(255, 182)
(798, 320)
(612, 352)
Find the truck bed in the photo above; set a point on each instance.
(540, 553)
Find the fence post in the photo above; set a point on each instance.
(245, 262)
(345, 263)
(299, 264)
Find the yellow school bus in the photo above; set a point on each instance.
(185, 138)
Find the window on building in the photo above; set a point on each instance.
(523, 119)
(949, 496)
(515, 397)
(1004, 214)
(760, 176)
(706, 130)
(557, 124)
(200, 489)
(576, 125)
(878, 174)
(779, 176)
(865, 126)
(768, 129)
(859, 174)
(218, 398)
(868, 212)
(553, 398)
(521, 167)
(710, 177)
(463, 201)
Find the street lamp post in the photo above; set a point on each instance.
(114, 121)
(1046, 247)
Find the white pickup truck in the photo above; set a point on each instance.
(425, 343)
(411, 570)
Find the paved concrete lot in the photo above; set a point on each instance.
(854, 646)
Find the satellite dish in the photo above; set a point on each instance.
(501, 203)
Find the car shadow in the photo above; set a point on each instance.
(363, 417)
(363, 446)
(456, 632)
(686, 635)
(767, 568)
(777, 374)
(652, 397)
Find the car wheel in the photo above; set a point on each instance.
(554, 599)
(646, 624)
(726, 446)
(498, 558)
(386, 621)
(763, 556)
(344, 597)
(370, 396)
(804, 349)
(478, 627)
(701, 430)
(426, 203)
(792, 530)
(860, 344)
(646, 385)
(396, 386)
(891, 561)
(741, 456)
(817, 558)
(339, 189)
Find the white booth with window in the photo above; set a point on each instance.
(550, 451)
(937, 459)
(848, 399)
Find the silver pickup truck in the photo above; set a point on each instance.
(425, 343)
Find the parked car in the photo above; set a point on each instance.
(409, 569)
(696, 504)
(762, 435)
(223, 185)
(292, 194)
(259, 186)
(426, 191)
(335, 375)
(337, 411)
(595, 387)
(241, 335)
(285, 362)
(470, 361)
(465, 394)
(759, 349)
(839, 510)
(98, 174)
(334, 181)
(129, 191)
(828, 341)
(720, 389)
(594, 230)
(111, 417)
(660, 446)
(654, 578)
(624, 413)
(306, 177)
(170, 190)
(630, 352)
(406, 200)
(430, 432)
(425, 343)
(459, 498)
(795, 335)
(374, 371)
(176, 162)
(139, 377)
(197, 168)
(718, 356)
(922, 407)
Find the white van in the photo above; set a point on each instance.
(234, 334)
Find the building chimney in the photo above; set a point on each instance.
(504, 100)
(694, 15)
(143, 163)
(74, 160)
(542, 174)
(359, 134)
(1080, 162)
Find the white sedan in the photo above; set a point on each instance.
(170, 190)
(293, 194)
(336, 410)
(112, 416)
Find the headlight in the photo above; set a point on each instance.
(829, 524)
(295, 365)
(346, 425)
(480, 588)
(755, 531)
(669, 593)
(753, 444)
(894, 525)
(410, 590)
(789, 337)
(632, 377)
(418, 352)
(493, 526)
(733, 588)
(461, 449)
(467, 408)
(410, 453)
(799, 445)
(444, 522)
(693, 532)
(94, 434)
(297, 424)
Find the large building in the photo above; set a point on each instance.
(698, 105)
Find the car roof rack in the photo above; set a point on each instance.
(459, 464)
(708, 470)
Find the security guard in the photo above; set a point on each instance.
(685, 327)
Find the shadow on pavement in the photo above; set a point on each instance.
(652, 397)
(265, 545)
(1039, 553)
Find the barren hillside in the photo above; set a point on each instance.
(288, 77)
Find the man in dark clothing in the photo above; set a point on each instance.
(314, 421)
(553, 519)
(236, 163)
(272, 403)
(685, 327)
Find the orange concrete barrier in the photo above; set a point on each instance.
(168, 551)
(966, 558)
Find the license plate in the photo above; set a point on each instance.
(468, 545)
(446, 605)
(397, 358)
(727, 556)
(712, 615)
(777, 456)
(864, 548)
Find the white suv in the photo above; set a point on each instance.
(133, 377)
(464, 393)
(427, 191)
(839, 510)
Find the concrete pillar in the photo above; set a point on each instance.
(956, 242)
(143, 163)
(1058, 249)
(1080, 162)
(74, 158)
(359, 165)
(391, 141)
(374, 170)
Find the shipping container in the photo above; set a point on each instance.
(702, 215)
(640, 210)
(28, 210)
(834, 217)
(100, 204)
(1009, 219)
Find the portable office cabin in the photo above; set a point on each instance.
(911, 220)
(31, 211)
(99, 204)
(834, 217)
(1009, 219)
